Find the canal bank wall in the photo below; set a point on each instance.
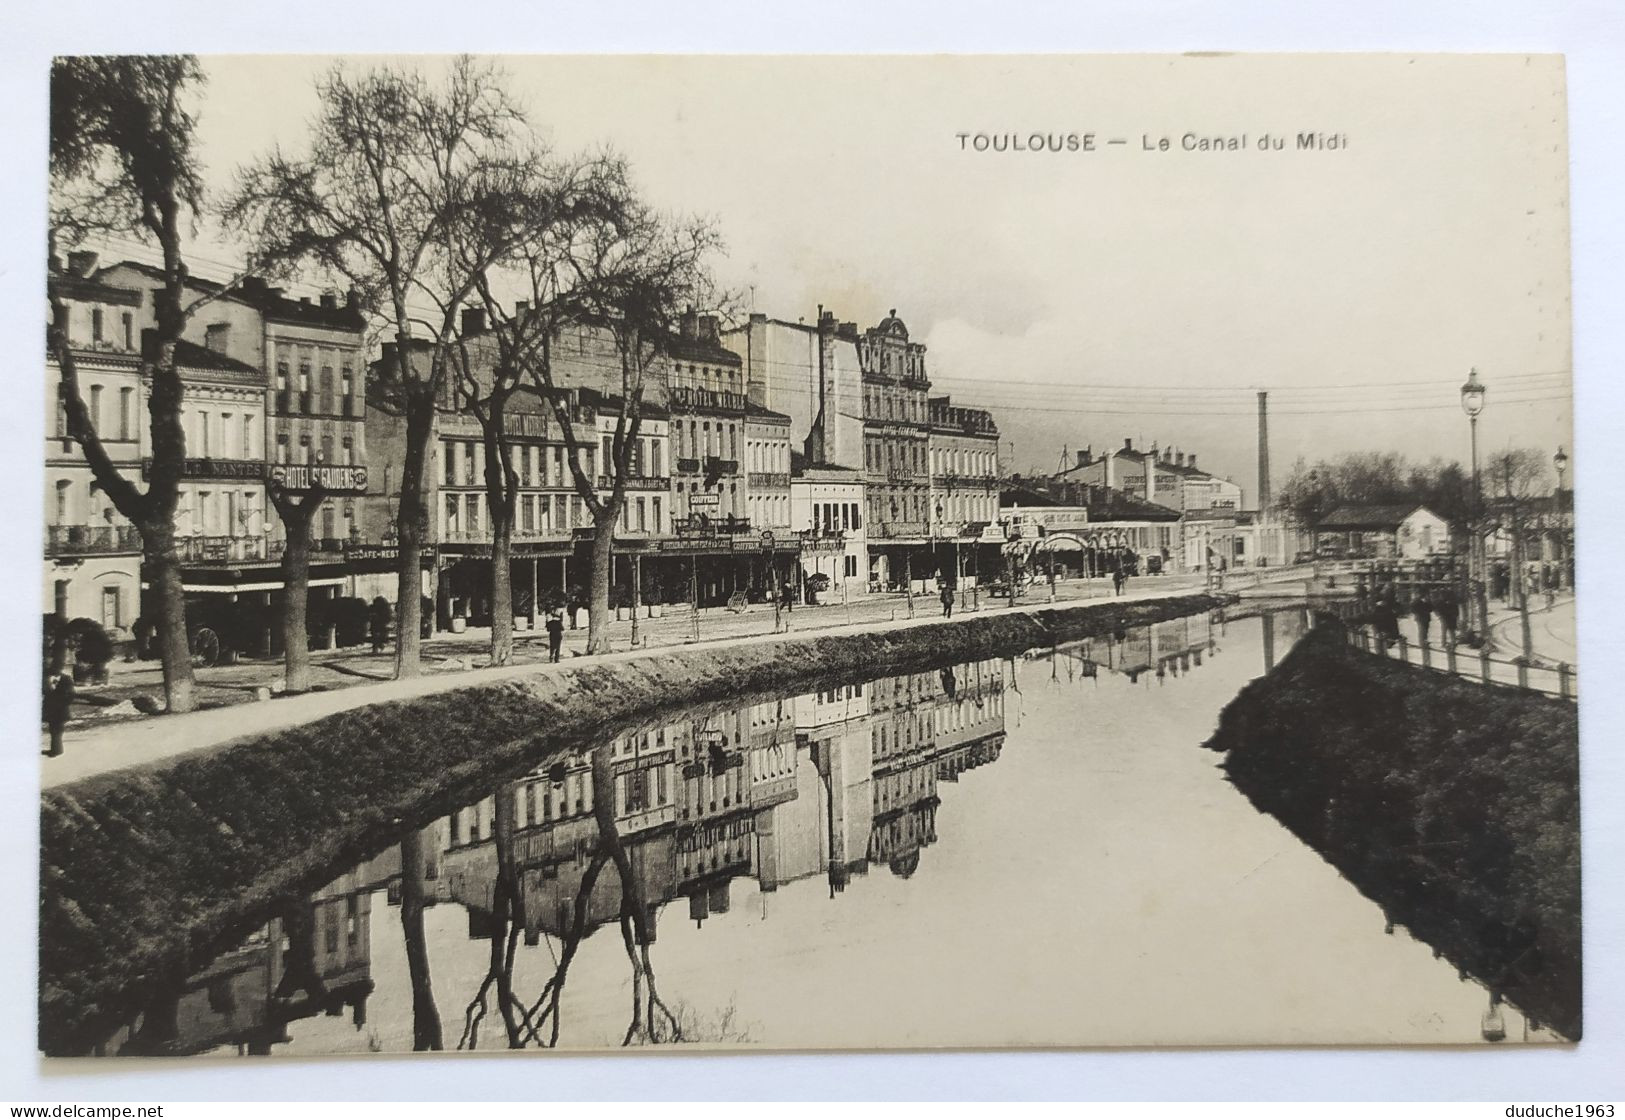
(1453, 805)
(147, 871)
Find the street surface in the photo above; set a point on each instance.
(104, 738)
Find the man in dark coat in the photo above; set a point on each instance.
(1422, 611)
(555, 633)
(1449, 614)
(378, 623)
(58, 705)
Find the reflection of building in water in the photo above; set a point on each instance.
(1169, 648)
(314, 959)
(823, 783)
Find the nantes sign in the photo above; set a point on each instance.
(307, 476)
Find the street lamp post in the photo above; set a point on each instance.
(1559, 567)
(1472, 403)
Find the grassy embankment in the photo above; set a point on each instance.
(1454, 806)
(145, 873)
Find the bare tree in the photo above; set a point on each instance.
(296, 513)
(122, 161)
(395, 163)
(523, 245)
(631, 275)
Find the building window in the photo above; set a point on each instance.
(327, 388)
(345, 379)
(127, 321)
(304, 374)
(655, 506)
(282, 447)
(61, 598)
(96, 407)
(468, 464)
(62, 488)
(126, 414)
(448, 457)
(349, 451)
(96, 324)
(453, 508)
(248, 435)
(282, 376)
(473, 509)
(304, 447)
(327, 447)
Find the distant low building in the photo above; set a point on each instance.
(1404, 531)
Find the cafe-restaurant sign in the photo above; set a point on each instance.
(307, 476)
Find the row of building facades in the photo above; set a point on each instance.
(770, 453)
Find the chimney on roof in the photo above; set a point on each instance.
(351, 297)
(826, 320)
(473, 320)
(1190, 460)
(388, 358)
(1083, 457)
(688, 324)
(1179, 459)
(1128, 444)
(82, 262)
(758, 317)
(330, 300)
(710, 329)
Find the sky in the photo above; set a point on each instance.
(1086, 297)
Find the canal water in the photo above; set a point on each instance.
(1021, 852)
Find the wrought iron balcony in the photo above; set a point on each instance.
(721, 466)
(768, 480)
(220, 550)
(688, 466)
(87, 540)
(656, 483)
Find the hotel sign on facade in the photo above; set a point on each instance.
(307, 476)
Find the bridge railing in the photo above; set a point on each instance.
(1558, 679)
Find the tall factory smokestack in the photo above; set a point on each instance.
(1264, 452)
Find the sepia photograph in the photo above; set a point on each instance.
(806, 552)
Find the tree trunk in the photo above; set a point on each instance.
(603, 540)
(295, 592)
(410, 520)
(501, 588)
(174, 651)
(425, 1016)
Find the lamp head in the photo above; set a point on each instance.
(1560, 461)
(1472, 394)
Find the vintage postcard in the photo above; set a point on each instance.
(807, 552)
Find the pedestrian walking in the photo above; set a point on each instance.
(1385, 617)
(1119, 578)
(947, 596)
(555, 633)
(378, 615)
(787, 596)
(1449, 614)
(58, 705)
(1422, 611)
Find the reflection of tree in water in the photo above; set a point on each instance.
(425, 1017)
(651, 1020)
